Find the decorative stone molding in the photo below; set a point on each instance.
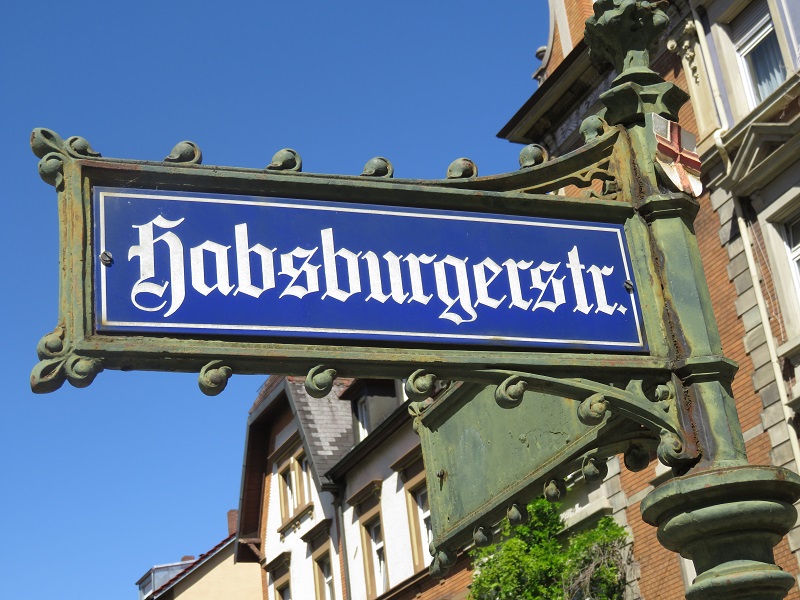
(684, 46)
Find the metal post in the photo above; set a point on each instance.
(723, 514)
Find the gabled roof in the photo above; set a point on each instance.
(325, 426)
(193, 566)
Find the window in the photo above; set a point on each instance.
(362, 417)
(367, 505)
(373, 400)
(412, 473)
(284, 593)
(305, 476)
(424, 516)
(288, 495)
(324, 578)
(756, 44)
(791, 236)
(377, 553)
(292, 472)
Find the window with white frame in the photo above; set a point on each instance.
(791, 237)
(779, 220)
(325, 589)
(758, 51)
(378, 556)
(411, 471)
(288, 492)
(305, 476)
(294, 483)
(424, 517)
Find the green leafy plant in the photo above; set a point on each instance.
(532, 563)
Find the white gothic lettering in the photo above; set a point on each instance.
(462, 285)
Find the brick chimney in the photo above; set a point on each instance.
(233, 521)
(187, 558)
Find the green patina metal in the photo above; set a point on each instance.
(516, 423)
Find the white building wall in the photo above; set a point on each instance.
(302, 579)
(394, 513)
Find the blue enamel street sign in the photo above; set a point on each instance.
(287, 268)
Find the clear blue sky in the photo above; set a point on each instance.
(139, 469)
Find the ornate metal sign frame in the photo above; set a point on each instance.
(76, 352)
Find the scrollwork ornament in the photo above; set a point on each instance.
(442, 561)
(437, 570)
(214, 377)
(594, 469)
(555, 490)
(517, 514)
(416, 410)
(420, 384)
(81, 370)
(51, 169)
(319, 381)
(57, 364)
(670, 450)
(52, 345)
(44, 141)
(80, 146)
(636, 458)
(446, 557)
(592, 411)
(185, 152)
(482, 536)
(509, 393)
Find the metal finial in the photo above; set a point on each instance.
(462, 168)
(185, 152)
(286, 160)
(378, 167)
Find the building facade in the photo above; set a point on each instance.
(334, 503)
(738, 59)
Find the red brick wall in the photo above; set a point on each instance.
(556, 54)
(577, 13)
(452, 587)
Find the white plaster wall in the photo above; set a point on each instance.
(394, 513)
(355, 559)
(302, 564)
(376, 466)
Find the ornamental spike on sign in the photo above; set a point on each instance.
(569, 327)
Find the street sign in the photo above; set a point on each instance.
(272, 267)
(172, 265)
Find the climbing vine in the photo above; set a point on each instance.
(534, 562)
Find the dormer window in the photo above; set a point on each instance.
(372, 400)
